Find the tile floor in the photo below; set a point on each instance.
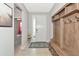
(32, 52)
(25, 51)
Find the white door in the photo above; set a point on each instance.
(40, 32)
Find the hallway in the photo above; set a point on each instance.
(34, 29)
(39, 29)
(28, 23)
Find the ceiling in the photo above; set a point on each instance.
(39, 7)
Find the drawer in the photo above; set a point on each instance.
(70, 7)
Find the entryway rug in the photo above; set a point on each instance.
(39, 45)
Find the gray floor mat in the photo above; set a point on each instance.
(39, 45)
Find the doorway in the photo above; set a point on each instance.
(39, 30)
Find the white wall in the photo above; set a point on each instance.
(54, 9)
(30, 22)
(7, 39)
(25, 18)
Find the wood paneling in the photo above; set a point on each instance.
(57, 32)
